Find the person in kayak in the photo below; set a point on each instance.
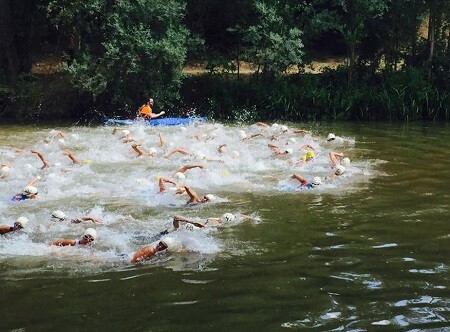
(146, 110)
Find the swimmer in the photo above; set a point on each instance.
(148, 251)
(278, 151)
(58, 215)
(215, 221)
(89, 236)
(307, 157)
(195, 199)
(162, 183)
(29, 192)
(184, 168)
(20, 223)
(247, 138)
(316, 181)
(337, 172)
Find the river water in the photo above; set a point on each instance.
(368, 250)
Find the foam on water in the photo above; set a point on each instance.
(111, 183)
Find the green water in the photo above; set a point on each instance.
(371, 257)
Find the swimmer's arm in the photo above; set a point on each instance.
(71, 156)
(192, 194)
(4, 229)
(162, 183)
(63, 242)
(41, 157)
(262, 124)
(143, 253)
(300, 178)
(95, 220)
(190, 166)
(33, 180)
(252, 136)
(301, 131)
(162, 141)
(307, 146)
(221, 148)
(177, 219)
(59, 133)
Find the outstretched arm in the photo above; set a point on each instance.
(71, 156)
(176, 150)
(177, 219)
(307, 146)
(95, 220)
(193, 197)
(300, 178)
(190, 166)
(41, 157)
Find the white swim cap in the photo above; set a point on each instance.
(339, 169)
(289, 151)
(345, 161)
(199, 156)
(316, 181)
(210, 197)
(292, 140)
(30, 190)
(227, 217)
(61, 141)
(284, 128)
(22, 221)
(183, 128)
(242, 134)
(4, 171)
(125, 132)
(331, 137)
(172, 244)
(275, 125)
(92, 232)
(180, 176)
(235, 154)
(58, 215)
(152, 151)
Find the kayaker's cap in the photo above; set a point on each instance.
(57, 214)
(22, 221)
(340, 170)
(331, 137)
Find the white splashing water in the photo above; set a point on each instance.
(111, 183)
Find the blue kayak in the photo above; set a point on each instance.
(153, 122)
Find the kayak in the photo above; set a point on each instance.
(174, 121)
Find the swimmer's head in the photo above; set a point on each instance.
(179, 176)
(288, 151)
(4, 171)
(61, 141)
(151, 101)
(309, 154)
(171, 244)
(59, 215)
(316, 181)
(235, 154)
(152, 151)
(242, 134)
(90, 234)
(125, 133)
(345, 161)
(292, 140)
(227, 217)
(209, 198)
(283, 128)
(340, 170)
(30, 191)
(331, 137)
(21, 222)
(199, 156)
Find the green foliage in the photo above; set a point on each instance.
(273, 45)
(128, 51)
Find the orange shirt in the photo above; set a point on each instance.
(145, 110)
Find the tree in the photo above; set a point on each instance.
(272, 44)
(124, 52)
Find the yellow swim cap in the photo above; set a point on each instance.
(86, 161)
(310, 154)
(225, 172)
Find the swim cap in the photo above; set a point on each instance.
(210, 197)
(292, 140)
(61, 141)
(310, 154)
(284, 128)
(180, 176)
(331, 137)
(227, 217)
(340, 170)
(242, 134)
(30, 190)
(92, 232)
(58, 215)
(316, 181)
(199, 156)
(172, 244)
(345, 161)
(22, 221)
(289, 151)
(152, 151)
(4, 171)
(125, 133)
(183, 128)
(235, 154)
